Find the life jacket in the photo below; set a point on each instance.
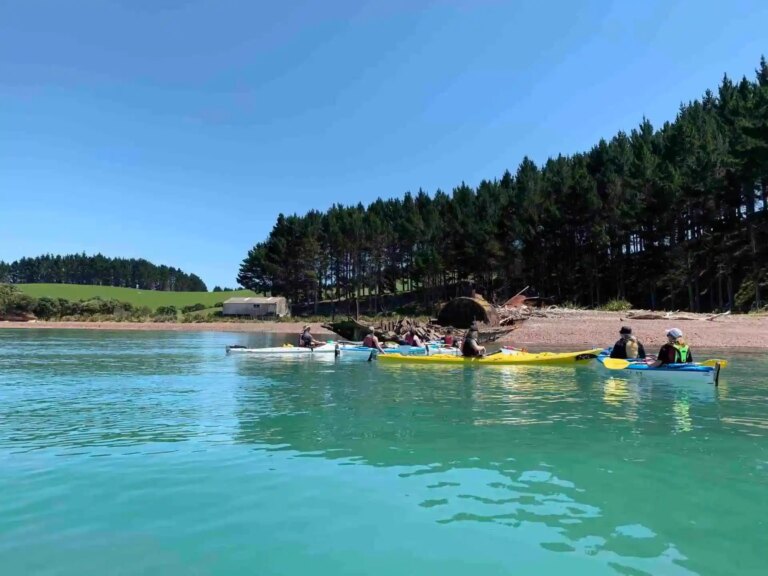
(368, 341)
(409, 339)
(448, 340)
(681, 353)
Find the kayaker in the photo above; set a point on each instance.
(412, 339)
(620, 348)
(470, 347)
(306, 340)
(448, 338)
(675, 351)
(370, 340)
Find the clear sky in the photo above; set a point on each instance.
(177, 130)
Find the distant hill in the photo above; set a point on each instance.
(99, 270)
(150, 298)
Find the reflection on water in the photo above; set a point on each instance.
(627, 476)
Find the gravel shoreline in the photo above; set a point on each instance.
(585, 329)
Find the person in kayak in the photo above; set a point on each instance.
(620, 349)
(470, 347)
(675, 351)
(412, 339)
(306, 340)
(448, 339)
(370, 340)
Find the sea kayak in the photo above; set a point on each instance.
(500, 359)
(667, 373)
(288, 349)
(403, 349)
(339, 348)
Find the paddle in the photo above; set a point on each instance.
(712, 363)
(619, 364)
(616, 363)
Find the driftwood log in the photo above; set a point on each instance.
(673, 316)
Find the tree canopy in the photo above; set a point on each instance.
(666, 217)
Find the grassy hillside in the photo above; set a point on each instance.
(149, 298)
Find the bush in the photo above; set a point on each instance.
(165, 313)
(193, 308)
(616, 306)
(47, 308)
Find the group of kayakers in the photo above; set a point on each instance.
(469, 345)
(675, 351)
(628, 347)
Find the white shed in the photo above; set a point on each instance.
(256, 307)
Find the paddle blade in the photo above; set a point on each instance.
(615, 363)
(715, 361)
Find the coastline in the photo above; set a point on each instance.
(256, 327)
(576, 328)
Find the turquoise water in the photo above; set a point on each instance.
(155, 453)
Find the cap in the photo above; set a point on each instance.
(674, 332)
(625, 330)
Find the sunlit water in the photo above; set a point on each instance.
(155, 453)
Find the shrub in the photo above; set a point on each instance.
(193, 308)
(616, 305)
(165, 313)
(46, 308)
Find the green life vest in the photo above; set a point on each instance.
(682, 353)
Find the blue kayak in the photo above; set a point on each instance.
(669, 372)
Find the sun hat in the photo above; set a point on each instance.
(674, 333)
(625, 330)
(307, 327)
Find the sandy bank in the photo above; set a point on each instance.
(274, 327)
(588, 328)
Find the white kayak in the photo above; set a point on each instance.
(287, 349)
(341, 348)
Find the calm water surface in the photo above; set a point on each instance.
(155, 453)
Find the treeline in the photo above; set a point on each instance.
(101, 271)
(667, 218)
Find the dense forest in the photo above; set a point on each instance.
(667, 218)
(99, 270)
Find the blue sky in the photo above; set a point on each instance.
(178, 130)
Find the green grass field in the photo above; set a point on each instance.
(150, 298)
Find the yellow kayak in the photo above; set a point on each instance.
(499, 359)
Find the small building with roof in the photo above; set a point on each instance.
(257, 307)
